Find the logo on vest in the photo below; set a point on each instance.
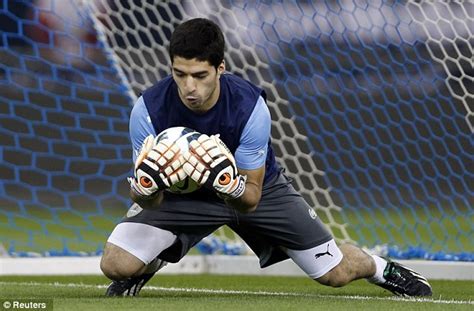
(312, 213)
(134, 210)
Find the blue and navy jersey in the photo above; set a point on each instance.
(240, 116)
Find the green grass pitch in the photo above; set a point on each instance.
(210, 292)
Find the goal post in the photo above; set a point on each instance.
(371, 105)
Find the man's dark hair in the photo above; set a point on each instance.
(198, 38)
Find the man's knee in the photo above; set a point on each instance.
(118, 264)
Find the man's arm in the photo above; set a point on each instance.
(250, 157)
(140, 128)
(249, 200)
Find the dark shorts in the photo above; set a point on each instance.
(282, 219)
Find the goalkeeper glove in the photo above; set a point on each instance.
(158, 166)
(210, 163)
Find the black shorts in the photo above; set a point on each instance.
(282, 219)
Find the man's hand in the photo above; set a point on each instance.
(210, 163)
(158, 166)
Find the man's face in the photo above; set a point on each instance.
(198, 83)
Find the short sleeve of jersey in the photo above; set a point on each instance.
(252, 151)
(140, 126)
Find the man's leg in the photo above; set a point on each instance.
(130, 256)
(337, 266)
(284, 218)
(355, 264)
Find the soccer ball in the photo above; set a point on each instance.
(181, 136)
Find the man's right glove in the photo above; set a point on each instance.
(158, 166)
(210, 163)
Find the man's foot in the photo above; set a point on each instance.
(128, 287)
(403, 281)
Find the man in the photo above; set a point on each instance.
(250, 194)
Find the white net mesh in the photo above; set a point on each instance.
(372, 107)
(352, 88)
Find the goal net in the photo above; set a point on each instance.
(371, 103)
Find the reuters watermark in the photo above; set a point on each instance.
(26, 304)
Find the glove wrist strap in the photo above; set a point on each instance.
(239, 190)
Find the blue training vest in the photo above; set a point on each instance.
(228, 117)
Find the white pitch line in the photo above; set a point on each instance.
(256, 293)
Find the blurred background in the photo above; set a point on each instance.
(372, 107)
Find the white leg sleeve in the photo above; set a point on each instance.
(317, 261)
(143, 241)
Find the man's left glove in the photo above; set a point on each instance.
(158, 166)
(210, 163)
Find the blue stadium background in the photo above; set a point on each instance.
(377, 115)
